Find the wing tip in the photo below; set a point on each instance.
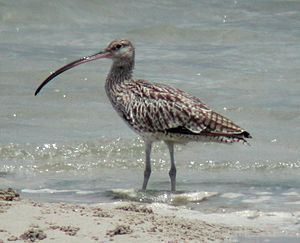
(246, 134)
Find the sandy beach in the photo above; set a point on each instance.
(26, 220)
(22, 219)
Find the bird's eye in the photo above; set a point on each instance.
(118, 46)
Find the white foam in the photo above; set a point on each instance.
(84, 192)
(164, 197)
(231, 195)
(54, 191)
(45, 190)
(130, 193)
(193, 196)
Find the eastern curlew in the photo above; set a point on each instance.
(157, 112)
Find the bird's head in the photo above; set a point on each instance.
(120, 51)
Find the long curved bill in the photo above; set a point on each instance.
(101, 54)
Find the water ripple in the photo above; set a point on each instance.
(112, 153)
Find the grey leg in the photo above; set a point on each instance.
(147, 172)
(172, 172)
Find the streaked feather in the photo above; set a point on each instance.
(151, 108)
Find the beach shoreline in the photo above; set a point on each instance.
(28, 220)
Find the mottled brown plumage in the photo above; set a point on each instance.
(157, 111)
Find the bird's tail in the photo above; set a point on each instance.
(229, 137)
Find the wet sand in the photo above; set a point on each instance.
(27, 220)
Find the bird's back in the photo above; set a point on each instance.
(161, 112)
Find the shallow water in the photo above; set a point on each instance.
(241, 57)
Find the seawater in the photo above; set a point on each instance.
(241, 57)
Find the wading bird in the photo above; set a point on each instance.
(157, 112)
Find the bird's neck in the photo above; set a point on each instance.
(120, 71)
